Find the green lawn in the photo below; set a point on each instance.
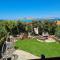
(37, 48)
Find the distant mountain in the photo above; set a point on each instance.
(50, 19)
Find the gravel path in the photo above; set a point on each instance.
(23, 55)
(47, 40)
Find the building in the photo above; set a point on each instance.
(58, 23)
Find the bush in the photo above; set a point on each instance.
(15, 47)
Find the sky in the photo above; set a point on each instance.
(14, 9)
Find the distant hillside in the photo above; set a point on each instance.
(36, 19)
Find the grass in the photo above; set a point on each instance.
(37, 48)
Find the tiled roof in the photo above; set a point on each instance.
(58, 22)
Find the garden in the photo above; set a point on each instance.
(51, 49)
(29, 35)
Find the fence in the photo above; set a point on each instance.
(52, 58)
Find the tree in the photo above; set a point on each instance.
(57, 32)
(34, 24)
(9, 25)
(40, 26)
(20, 26)
(45, 25)
(52, 28)
(3, 32)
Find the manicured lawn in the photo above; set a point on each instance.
(37, 48)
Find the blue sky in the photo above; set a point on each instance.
(13, 9)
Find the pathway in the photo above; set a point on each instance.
(23, 55)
